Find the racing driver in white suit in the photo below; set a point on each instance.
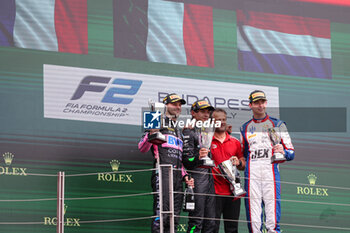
(262, 176)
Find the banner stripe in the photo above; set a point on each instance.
(330, 2)
(71, 26)
(268, 42)
(286, 23)
(165, 32)
(130, 29)
(198, 35)
(7, 22)
(34, 25)
(285, 64)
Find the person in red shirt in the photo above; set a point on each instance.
(225, 147)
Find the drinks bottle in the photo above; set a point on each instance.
(189, 204)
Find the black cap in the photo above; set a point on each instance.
(257, 95)
(201, 104)
(172, 98)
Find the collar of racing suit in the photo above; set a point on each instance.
(262, 119)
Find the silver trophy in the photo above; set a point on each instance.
(205, 136)
(275, 137)
(231, 174)
(157, 138)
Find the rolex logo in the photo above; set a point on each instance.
(115, 177)
(115, 165)
(10, 170)
(69, 222)
(8, 157)
(312, 179)
(311, 190)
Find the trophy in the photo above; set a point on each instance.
(157, 138)
(231, 174)
(205, 136)
(275, 137)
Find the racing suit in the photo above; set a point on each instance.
(263, 178)
(169, 152)
(204, 184)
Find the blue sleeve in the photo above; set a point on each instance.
(289, 154)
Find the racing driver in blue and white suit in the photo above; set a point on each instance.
(262, 177)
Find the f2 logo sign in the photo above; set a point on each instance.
(111, 96)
